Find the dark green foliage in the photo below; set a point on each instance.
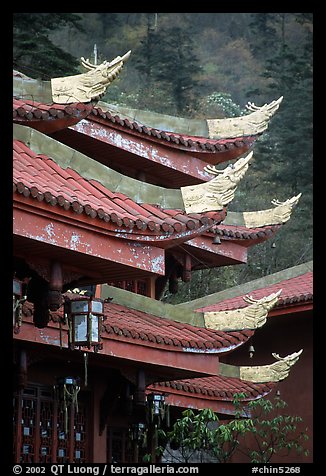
(169, 67)
(34, 53)
(259, 430)
(274, 432)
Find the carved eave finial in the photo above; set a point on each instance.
(271, 216)
(267, 109)
(250, 317)
(218, 192)
(251, 124)
(88, 86)
(283, 210)
(270, 373)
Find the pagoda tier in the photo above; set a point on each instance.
(169, 345)
(69, 196)
(216, 393)
(163, 150)
(103, 194)
(159, 156)
(295, 299)
(57, 211)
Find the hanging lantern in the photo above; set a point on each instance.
(156, 401)
(159, 411)
(85, 316)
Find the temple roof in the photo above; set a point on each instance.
(96, 193)
(129, 326)
(184, 141)
(295, 290)
(297, 287)
(210, 389)
(247, 125)
(179, 350)
(38, 104)
(296, 283)
(48, 117)
(143, 328)
(40, 177)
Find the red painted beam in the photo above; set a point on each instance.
(178, 399)
(234, 252)
(150, 237)
(52, 124)
(48, 230)
(291, 309)
(174, 159)
(199, 363)
(192, 361)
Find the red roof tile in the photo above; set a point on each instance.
(137, 327)
(201, 144)
(217, 388)
(40, 177)
(25, 109)
(125, 323)
(294, 290)
(30, 110)
(236, 232)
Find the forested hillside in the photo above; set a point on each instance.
(204, 65)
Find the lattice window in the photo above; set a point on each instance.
(62, 452)
(46, 431)
(28, 426)
(80, 441)
(40, 428)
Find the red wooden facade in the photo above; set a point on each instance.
(81, 174)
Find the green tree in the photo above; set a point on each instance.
(200, 435)
(284, 154)
(258, 430)
(178, 68)
(167, 61)
(273, 433)
(34, 53)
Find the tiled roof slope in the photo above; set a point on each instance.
(236, 232)
(298, 289)
(125, 323)
(128, 325)
(40, 177)
(214, 388)
(30, 110)
(27, 110)
(201, 144)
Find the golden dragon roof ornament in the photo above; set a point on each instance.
(270, 373)
(254, 123)
(271, 216)
(250, 317)
(218, 192)
(88, 86)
